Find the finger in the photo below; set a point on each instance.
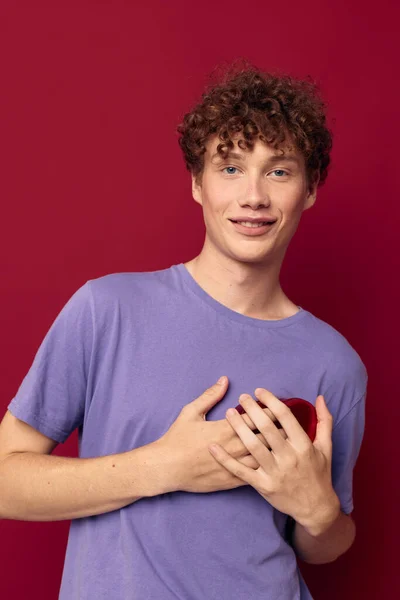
(281, 432)
(249, 461)
(250, 423)
(295, 433)
(239, 450)
(323, 438)
(251, 441)
(264, 424)
(201, 405)
(262, 439)
(237, 468)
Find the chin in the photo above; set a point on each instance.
(251, 260)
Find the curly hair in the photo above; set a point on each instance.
(276, 108)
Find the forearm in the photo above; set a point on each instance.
(38, 487)
(324, 542)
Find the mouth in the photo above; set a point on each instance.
(253, 228)
(252, 224)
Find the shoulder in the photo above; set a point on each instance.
(127, 285)
(335, 346)
(343, 374)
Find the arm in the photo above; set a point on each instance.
(334, 535)
(38, 487)
(35, 486)
(50, 404)
(324, 542)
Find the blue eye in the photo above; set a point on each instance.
(280, 171)
(234, 168)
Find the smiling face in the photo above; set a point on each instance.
(259, 184)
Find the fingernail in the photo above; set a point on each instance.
(221, 380)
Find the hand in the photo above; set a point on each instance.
(294, 474)
(184, 447)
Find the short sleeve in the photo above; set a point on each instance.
(51, 397)
(347, 437)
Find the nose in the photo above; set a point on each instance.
(256, 195)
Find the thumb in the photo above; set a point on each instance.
(323, 438)
(210, 397)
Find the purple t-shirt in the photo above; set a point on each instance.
(122, 358)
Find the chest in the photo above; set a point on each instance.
(141, 382)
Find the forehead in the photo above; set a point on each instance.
(261, 151)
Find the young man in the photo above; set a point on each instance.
(175, 498)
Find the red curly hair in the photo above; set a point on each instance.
(276, 108)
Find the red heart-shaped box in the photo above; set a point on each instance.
(303, 410)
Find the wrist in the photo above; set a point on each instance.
(323, 518)
(165, 469)
(153, 467)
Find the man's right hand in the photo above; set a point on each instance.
(190, 466)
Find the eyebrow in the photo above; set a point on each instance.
(273, 159)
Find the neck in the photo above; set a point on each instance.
(251, 289)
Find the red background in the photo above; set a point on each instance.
(93, 182)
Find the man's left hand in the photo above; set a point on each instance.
(294, 475)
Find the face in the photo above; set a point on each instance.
(252, 185)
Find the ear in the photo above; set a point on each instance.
(312, 193)
(196, 191)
